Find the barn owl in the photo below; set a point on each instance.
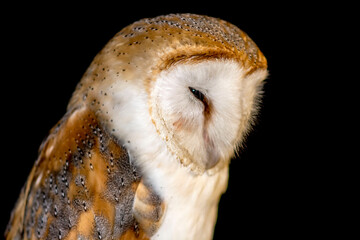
(143, 150)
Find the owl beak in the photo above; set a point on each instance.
(212, 154)
(212, 158)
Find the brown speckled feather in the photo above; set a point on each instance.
(83, 186)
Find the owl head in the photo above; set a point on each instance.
(187, 81)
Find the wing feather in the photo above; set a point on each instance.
(81, 187)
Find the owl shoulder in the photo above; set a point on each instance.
(83, 184)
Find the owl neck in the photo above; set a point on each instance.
(191, 201)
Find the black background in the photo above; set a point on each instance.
(275, 186)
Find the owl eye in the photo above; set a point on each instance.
(199, 95)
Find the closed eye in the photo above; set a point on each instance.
(199, 95)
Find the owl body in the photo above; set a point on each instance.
(144, 148)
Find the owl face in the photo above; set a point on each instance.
(204, 108)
